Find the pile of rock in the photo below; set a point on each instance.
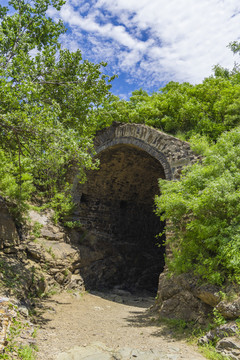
(226, 338)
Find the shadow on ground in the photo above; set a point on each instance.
(141, 300)
(172, 329)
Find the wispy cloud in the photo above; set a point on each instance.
(154, 40)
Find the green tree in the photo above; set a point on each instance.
(208, 108)
(46, 97)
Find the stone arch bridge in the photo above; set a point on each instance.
(116, 206)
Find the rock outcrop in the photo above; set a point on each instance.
(43, 260)
(178, 298)
(52, 251)
(183, 297)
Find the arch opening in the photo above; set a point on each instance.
(117, 210)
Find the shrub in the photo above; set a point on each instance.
(203, 209)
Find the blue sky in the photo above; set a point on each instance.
(151, 42)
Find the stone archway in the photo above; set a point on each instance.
(116, 206)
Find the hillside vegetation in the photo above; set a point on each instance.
(52, 102)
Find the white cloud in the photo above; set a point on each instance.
(150, 40)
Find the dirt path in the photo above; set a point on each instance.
(101, 327)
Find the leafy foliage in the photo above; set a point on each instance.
(204, 214)
(46, 97)
(207, 109)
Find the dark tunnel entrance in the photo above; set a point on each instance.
(116, 209)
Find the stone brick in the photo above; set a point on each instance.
(116, 205)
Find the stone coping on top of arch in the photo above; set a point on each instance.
(171, 152)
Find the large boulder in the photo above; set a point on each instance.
(176, 299)
(185, 297)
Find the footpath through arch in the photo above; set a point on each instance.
(116, 206)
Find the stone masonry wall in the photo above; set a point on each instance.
(171, 152)
(116, 205)
(116, 209)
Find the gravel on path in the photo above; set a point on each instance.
(104, 326)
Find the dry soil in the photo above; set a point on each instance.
(99, 326)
